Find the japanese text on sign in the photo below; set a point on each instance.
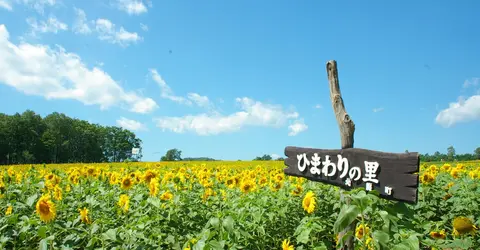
(329, 169)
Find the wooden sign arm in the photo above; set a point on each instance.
(346, 125)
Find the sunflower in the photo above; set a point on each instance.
(90, 171)
(455, 173)
(276, 185)
(127, 183)
(154, 187)
(427, 178)
(46, 208)
(166, 196)
(308, 202)
(149, 175)
(230, 183)
(84, 215)
(124, 202)
(438, 235)
(9, 210)
(247, 186)
(208, 192)
(361, 230)
(263, 181)
(298, 190)
(463, 225)
(279, 177)
(113, 178)
(57, 193)
(286, 245)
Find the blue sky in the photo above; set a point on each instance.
(238, 79)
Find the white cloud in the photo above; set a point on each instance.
(132, 7)
(56, 74)
(460, 112)
(38, 5)
(144, 27)
(167, 93)
(471, 82)
(165, 90)
(130, 124)
(80, 26)
(106, 31)
(297, 127)
(378, 110)
(275, 156)
(5, 4)
(52, 25)
(253, 113)
(201, 101)
(318, 106)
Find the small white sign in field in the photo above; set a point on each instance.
(135, 151)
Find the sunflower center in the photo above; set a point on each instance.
(44, 208)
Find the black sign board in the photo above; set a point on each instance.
(393, 175)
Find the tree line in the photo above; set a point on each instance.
(28, 138)
(451, 155)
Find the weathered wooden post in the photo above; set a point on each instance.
(347, 131)
(393, 175)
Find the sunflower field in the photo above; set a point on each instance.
(227, 205)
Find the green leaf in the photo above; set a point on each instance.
(43, 245)
(111, 234)
(42, 232)
(381, 237)
(347, 215)
(31, 199)
(409, 243)
(215, 222)
(228, 223)
(154, 201)
(361, 199)
(304, 236)
(217, 245)
(461, 243)
(95, 228)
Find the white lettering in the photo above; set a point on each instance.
(327, 164)
(342, 166)
(315, 163)
(305, 162)
(355, 173)
(370, 171)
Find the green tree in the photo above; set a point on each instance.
(265, 157)
(172, 155)
(477, 153)
(29, 138)
(450, 153)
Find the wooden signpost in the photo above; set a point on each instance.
(393, 175)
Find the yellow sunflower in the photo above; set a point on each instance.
(247, 186)
(154, 187)
(438, 235)
(127, 183)
(361, 231)
(9, 210)
(463, 225)
(124, 202)
(166, 196)
(84, 215)
(286, 245)
(46, 208)
(309, 202)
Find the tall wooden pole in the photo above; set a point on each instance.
(347, 130)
